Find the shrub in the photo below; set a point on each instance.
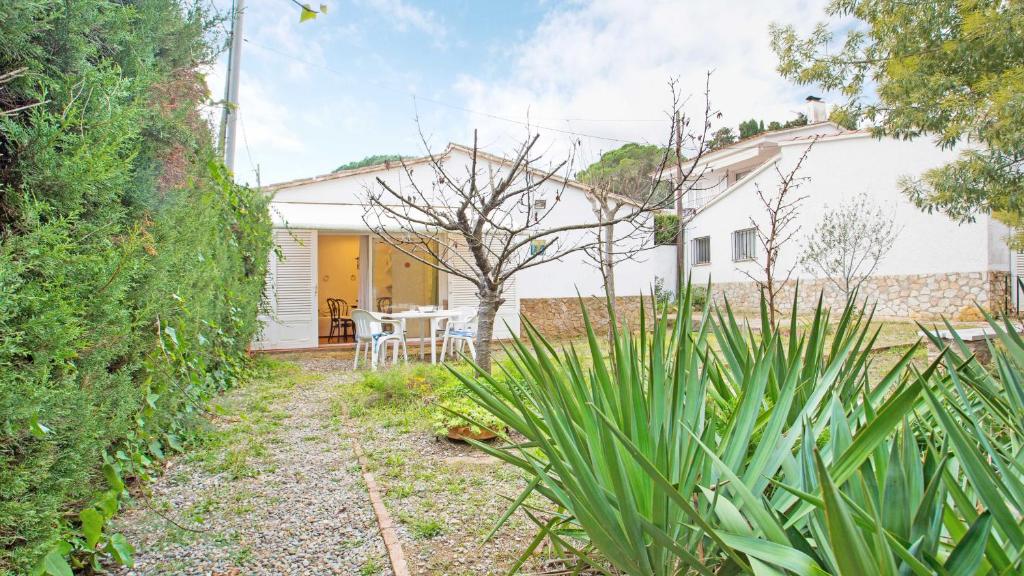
(699, 297)
(666, 228)
(768, 452)
(453, 408)
(405, 383)
(131, 267)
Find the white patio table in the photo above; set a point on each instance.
(434, 316)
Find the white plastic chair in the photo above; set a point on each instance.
(460, 330)
(371, 334)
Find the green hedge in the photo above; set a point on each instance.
(666, 228)
(131, 268)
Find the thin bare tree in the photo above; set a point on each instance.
(782, 211)
(849, 242)
(485, 223)
(614, 245)
(685, 169)
(679, 173)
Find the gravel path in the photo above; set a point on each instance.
(280, 494)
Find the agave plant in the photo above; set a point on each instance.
(724, 449)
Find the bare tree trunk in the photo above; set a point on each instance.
(608, 266)
(490, 301)
(608, 275)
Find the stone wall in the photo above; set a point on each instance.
(921, 296)
(562, 317)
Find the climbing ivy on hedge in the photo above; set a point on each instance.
(131, 268)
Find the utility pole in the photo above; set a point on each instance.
(229, 117)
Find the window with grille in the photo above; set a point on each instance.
(744, 245)
(701, 250)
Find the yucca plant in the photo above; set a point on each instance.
(724, 449)
(634, 448)
(652, 390)
(980, 412)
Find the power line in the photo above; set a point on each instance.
(470, 110)
(248, 152)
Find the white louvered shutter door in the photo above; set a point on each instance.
(462, 294)
(294, 293)
(1017, 287)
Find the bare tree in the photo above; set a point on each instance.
(485, 224)
(684, 168)
(782, 209)
(849, 242)
(678, 172)
(491, 222)
(610, 247)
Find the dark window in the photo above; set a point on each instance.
(701, 250)
(744, 244)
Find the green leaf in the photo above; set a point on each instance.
(107, 503)
(306, 14)
(151, 399)
(156, 449)
(55, 564)
(122, 550)
(113, 476)
(172, 334)
(779, 555)
(851, 551)
(966, 557)
(174, 442)
(323, 8)
(92, 526)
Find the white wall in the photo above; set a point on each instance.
(839, 168)
(554, 279)
(665, 265)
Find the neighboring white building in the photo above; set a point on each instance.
(936, 266)
(329, 251)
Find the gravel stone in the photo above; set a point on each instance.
(306, 512)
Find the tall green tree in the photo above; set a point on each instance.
(750, 128)
(625, 170)
(370, 161)
(952, 70)
(722, 137)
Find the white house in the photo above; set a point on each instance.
(327, 250)
(935, 267)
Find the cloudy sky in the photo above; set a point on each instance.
(354, 82)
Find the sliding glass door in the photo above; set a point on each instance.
(401, 282)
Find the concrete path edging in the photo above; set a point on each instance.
(386, 526)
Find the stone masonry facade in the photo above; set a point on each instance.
(562, 317)
(955, 296)
(917, 297)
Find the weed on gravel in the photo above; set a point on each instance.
(445, 496)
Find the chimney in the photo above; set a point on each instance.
(816, 112)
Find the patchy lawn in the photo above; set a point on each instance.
(445, 496)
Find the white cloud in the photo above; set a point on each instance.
(601, 67)
(405, 16)
(267, 129)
